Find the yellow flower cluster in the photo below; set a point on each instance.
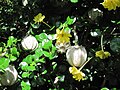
(62, 36)
(77, 75)
(111, 4)
(39, 18)
(102, 55)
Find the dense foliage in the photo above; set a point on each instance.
(55, 26)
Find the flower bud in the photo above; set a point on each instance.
(9, 77)
(29, 43)
(76, 55)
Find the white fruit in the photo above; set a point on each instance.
(76, 55)
(29, 43)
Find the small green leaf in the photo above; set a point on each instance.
(70, 21)
(14, 51)
(38, 52)
(113, 21)
(24, 66)
(4, 62)
(41, 37)
(44, 72)
(61, 78)
(115, 45)
(37, 60)
(47, 54)
(118, 22)
(25, 85)
(28, 59)
(12, 58)
(31, 68)
(53, 49)
(74, 1)
(104, 88)
(25, 74)
(11, 41)
(54, 65)
(47, 45)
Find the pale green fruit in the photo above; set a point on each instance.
(29, 43)
(76, 55)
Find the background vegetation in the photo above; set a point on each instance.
(38, 69)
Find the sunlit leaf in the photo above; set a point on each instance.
(4, 62)
(28, 59)
(74, 1)
(25, 74)
(41, 37)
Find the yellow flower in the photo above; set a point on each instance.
(77, 75)
(111, 4)
(62, 36)
(102, 55)
(39, 18)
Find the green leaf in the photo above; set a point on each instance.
(38, 52)
(11, 41)
(54, 65)
(70, 21)
(44, 72)
(51, 56)
(53, 49)
(118, 22)
(113, 21)
(41, 37)
(47, 45)
(28, 59)
(115, 45)
(4, 62)
(24, 66)
(104, 88)
(74, 1)
(47, 54)
(36, 59)
(12, 58)
(61, 78)
(31, 68)
(14, 51)
(25, 74)
(25, 85)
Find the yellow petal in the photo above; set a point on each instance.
(107, 54)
